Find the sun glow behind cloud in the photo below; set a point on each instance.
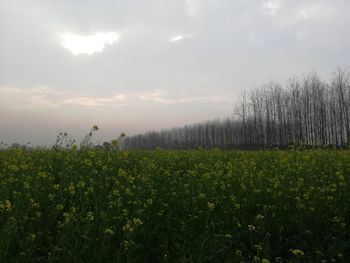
(89, 44)
(180, 37)
(177, 38)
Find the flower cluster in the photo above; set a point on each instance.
(205, 205)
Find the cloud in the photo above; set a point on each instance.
(270, 7)
(6, 90)
(298, 11)
(44, 97)
(315, 10)
(162, 98)
(89, 44)
(192, 7)
(37, 97)
(176, 38)
(115, 100)
(180, 37)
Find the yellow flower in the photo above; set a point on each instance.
(72, 210)
(278, 260)
(259, 216)
(201, 195)
(59, 207)
(32, 237)
(137, 221)
(81, 184)
(87, 162)
(211, 206)
(36, 205)
(128, 228)
(90, 216)
(66, 218)
(297, 252)
(7, 205)
(251, 228)
(13, 168)
(42, 174)
(258, 247)
(71, 189)
(125, 244)
(109, 231)
(26, 185)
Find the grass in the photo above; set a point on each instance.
(174, 206)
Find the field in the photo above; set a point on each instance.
(175, 206)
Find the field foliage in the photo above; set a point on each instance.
(174, 206)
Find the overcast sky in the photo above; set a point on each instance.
(135, 66)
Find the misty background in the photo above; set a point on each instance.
(135, 66)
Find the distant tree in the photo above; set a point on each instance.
(307, 111)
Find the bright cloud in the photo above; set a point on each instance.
(177, 38)
(180, 37)
(89, 44)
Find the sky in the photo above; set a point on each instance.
(135, 66)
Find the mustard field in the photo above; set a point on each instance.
(174, 206)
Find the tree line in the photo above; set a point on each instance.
(307, 111)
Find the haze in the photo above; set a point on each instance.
(135, 66)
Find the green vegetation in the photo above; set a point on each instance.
(174, 206)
